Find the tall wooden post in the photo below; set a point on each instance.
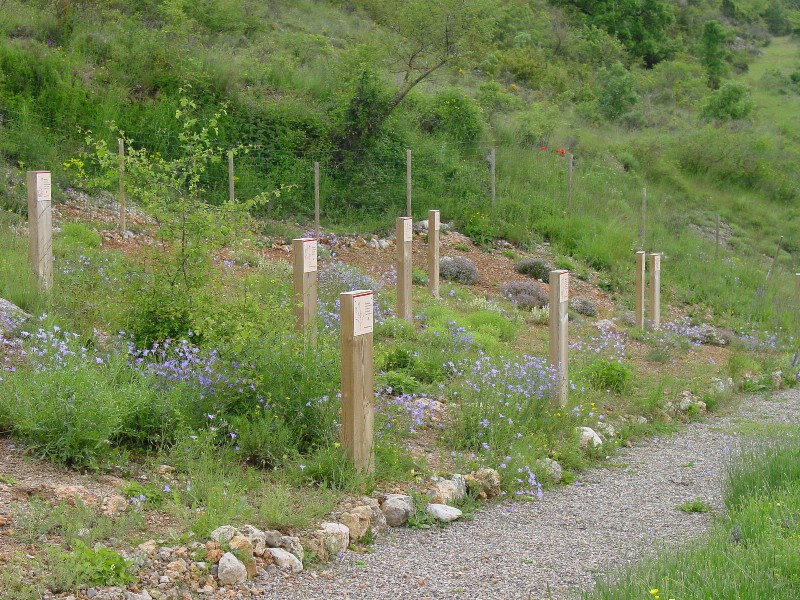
(640, 288)
(559, 330)
(408, 183)
(316, 199)
(570, 167)
(643, 223)
(304, 258)
(40, 227)
(404, 233)
(654, 318)
(716, 240)
(797, 282)
(122, 200)
(357, 378)
(493, 174)
(231, 182)
(434, 225)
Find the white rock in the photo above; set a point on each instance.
(607, 429)
(589, 438)
(141, 596)
(358, 520)
(231, 570)
(461, 486)
(397, 508)
(256, 537)
(293, 545)
(224, 533)
(383, 244)
(286, 561)
(553, 469)
(442, 512)
(337, 537)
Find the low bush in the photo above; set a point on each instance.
(583, 306)
(609, 375)
(525, 294)
(538, 268)
(459, 269)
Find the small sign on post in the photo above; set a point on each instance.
(304, 255)
(358, 381)
(404, 233)
(654, 318)
(434, 225)
(559, 326)
(40, 227)
(640, 288)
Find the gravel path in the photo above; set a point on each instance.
(547, 548)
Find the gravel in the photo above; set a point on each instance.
(552, 547)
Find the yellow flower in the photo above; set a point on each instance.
(654, 591)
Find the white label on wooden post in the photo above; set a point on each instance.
(309, 255)
(408, 229)
(639, 287)
(657, 262)
(559, 327)
(363, 320)
(43, 190)
(437, 224)
(434, 224)
(564, 287)
(655, 291)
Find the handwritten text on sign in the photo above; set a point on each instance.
(362, 313)
(656, 262)
(43, 187)
(407, 230)
(436, 225)
(563, 285)
(309, 256)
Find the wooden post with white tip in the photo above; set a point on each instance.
(304, 260)
(434, 226)
(654, 317)
(559, 330)
(40, 227)
(404, 231)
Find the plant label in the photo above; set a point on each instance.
(656, 262)
(43, 192)
(362, 313)
(309, 255)
(563, 285)
(436, 225)
(407, 229)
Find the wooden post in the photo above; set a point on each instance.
(434, 225)
(559, 325)
(231, 184)
(654, 318)
(304, 255)
(797, 280)
(775, 258)
(357, 378)
(408, 183)
(640, 288)
(716, 241)
(316, 199)
(643, 223)
(122, 207)
(404, 233)
(493, 174)
(569, 180)
(40, 227)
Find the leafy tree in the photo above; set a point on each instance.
(617, 95)
(713, 51)
(731, 102)
(641, 25)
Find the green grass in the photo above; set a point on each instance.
(750, 553)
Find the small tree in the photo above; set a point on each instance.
(713, 52)
(617, 94)
(729, 103)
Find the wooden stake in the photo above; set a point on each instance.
(654, 317)
(304, 255)
(775, 258)
(404, 233)
(493, 172)
(316, 199)
(569, 180)
(231, 184)
(640, 288)
(434, 225)
(122, 207)
(408, 183)
(357, 378)
(559, 330)
(643, 224)
(716, 240)
(797, 280)
(40, 227)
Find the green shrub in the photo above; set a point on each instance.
(525, 294)
(538, 268)
(459, 269)
(609, 375)
(84, 566)
(616, 95)
(730, 102)
(455, 115)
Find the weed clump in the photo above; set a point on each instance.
(459, 269)
(525, 294)
(583, 306)
(538, 268)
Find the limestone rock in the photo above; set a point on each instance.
(293, 545)
(607, 429)
(285, 561)
(241, 543)
(552, 468)
(691, 405)
(484, 483)
(140, 596)
(256, 537)
(231, 570)
(328, 541)
(224, 533)
(589, 438)
(378, 521)
(149, 547)
(358, 520)
(397, 509)
(442, 512)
